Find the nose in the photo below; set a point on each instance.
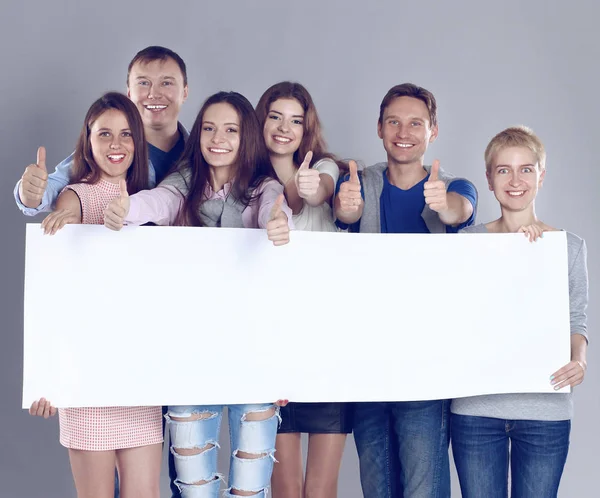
(154, 91)
(115, 142)
(402, 131)
(218, 137)
(283, 126)
(515, 178)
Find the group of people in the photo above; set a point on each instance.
(268, 167)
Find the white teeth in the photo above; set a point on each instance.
(156, 107)
(219, 151)
(282, 140)
(516, 194)
(116, 157)
(403, 146)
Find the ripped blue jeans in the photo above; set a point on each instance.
(194, 432)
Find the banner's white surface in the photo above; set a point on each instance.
(174, 315)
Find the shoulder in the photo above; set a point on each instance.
(480, 228)
(575, 246)
(374, 170)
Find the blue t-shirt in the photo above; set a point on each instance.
(400, 210)
(162, 161)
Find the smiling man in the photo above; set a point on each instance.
(403, 446)
(157, 85)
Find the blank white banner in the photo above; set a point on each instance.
(174, 315)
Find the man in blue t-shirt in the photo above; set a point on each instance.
(403, 446)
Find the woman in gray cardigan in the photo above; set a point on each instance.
(537, 426)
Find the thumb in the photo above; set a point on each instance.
(277, 207)
(307, 159)
(354, 172)
(41, 158)
(123, 188)
(435, 171)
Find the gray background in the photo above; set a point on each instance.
(490, 65)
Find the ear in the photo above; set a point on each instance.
(434, 134)
(379, 133)
(185, 92)
(489, 180)
(128, 91)
(542, 176)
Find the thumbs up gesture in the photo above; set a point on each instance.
(307, 180)
(434, 191)
(278, 229)
(117, 210)
(349, 195)
(34, 181)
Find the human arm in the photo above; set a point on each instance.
(315, 185)
(160, 206)
(348, 203)
(68, 211)
(455, 204)
(42, 408)
(37, 192)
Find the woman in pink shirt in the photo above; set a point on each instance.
(224, 179)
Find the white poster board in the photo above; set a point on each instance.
(178, 315)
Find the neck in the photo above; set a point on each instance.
(163, 138)
(219, 177)
(405, 175)
(511, 221)
(284, 167)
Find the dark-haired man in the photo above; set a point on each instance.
(403, 446)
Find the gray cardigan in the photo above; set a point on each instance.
(538, 406)
(372, 182)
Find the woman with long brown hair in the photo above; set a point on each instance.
(293, 136)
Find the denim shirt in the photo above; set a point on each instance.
(58, 180)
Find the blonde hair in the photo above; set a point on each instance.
(515, 136)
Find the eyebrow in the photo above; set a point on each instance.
(110, 129)
(226, 124)
(412, 118)
(293, 115)
(144, 77)
(518, 166)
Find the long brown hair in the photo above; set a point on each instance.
(313, 134)
(252, 165)
(85, 169)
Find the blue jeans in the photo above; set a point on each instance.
(403, 449)
(537, 456)
(197, 475)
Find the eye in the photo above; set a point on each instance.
(231, 130)
(104, 134)
(207, 128)
(167, 83)
(527, 169)
(393, 122)
(416, 123)
(502, 171)
(143, 83)
(126, 134)
(273, 116)
(297, 121)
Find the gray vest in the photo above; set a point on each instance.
(214, 212)
(372, 183)
(222, 212)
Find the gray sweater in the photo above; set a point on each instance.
(538, 406)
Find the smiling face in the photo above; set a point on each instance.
(284, 127)
(406, 131)
(112, 145)
(220, 135)
(515, 177)
(158, 91)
